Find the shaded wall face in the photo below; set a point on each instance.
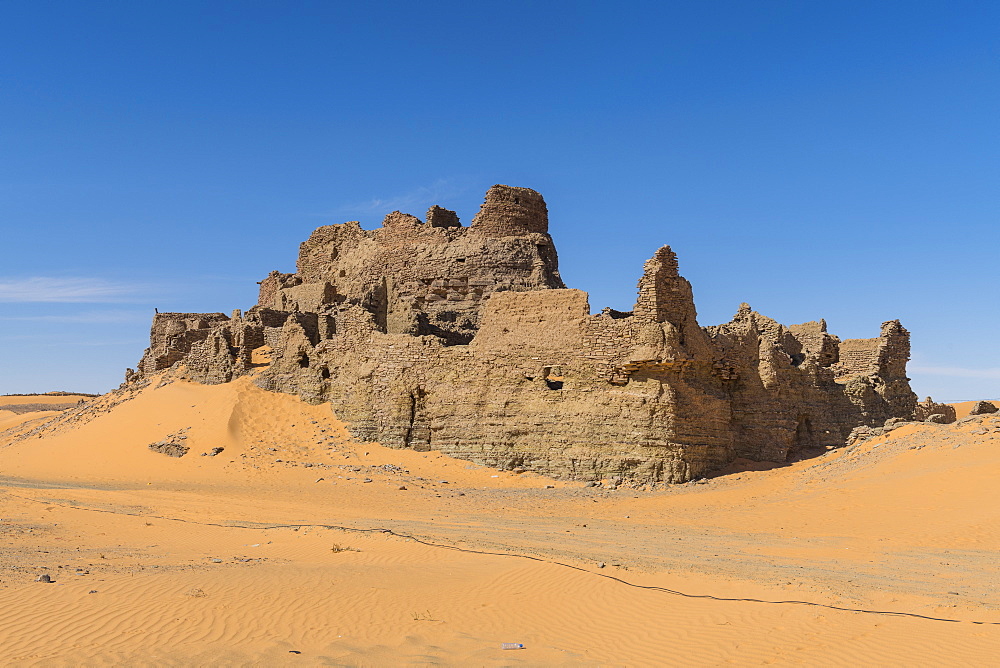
(528, 392)
(790, 391)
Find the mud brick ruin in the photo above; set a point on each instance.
(432, 335)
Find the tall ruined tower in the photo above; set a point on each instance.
(511, 211)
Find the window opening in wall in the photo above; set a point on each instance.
(554, 381)
(324, 373)
(803, 435)
(303, 360)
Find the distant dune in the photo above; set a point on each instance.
(49, 398)
(290, 546)
(18, 408)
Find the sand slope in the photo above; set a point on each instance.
(906, 522)
(18, 409)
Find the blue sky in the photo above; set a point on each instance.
(814, 159)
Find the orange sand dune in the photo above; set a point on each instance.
(9, 419)
(272, 551)
(29, 407)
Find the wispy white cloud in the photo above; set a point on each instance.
(438, 192)
(955, 372)
(64, 290)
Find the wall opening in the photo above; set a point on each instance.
(803, 436)
(417, 435)
(553, 377)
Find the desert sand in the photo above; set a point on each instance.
(295, 545)
(15, 409)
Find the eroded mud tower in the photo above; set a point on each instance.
(432, 335)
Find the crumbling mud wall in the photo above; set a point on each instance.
(432, 335)
(925, 409)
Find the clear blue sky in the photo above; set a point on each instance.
(815, 159)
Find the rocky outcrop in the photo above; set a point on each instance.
(172, 446)
(928, 407)
(432, 335)
(983, 408)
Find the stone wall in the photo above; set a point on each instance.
(873, 372)
(430, 335)
(857, 356)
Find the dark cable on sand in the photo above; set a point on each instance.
(674, 592)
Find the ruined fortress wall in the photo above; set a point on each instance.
(663, 295)
(784, 398)
(427, 278)
(545, 324)
(858, 356)
(815, 344)
(429, 335)
(893, 350)
(512, 406)
(172, 336)
(271, 286)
